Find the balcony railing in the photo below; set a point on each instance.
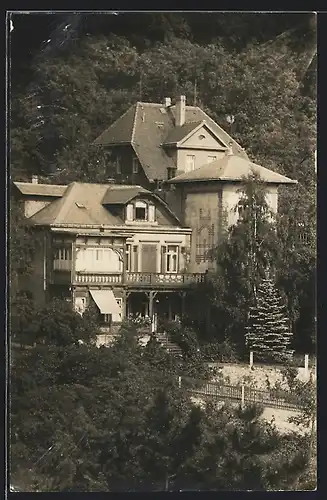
(140, 279)
(98, 278)
(163, 278)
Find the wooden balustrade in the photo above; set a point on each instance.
(139, 279)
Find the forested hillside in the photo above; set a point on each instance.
(79, 73)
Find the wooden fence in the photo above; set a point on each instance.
(245, 395)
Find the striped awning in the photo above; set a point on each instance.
(106, 301)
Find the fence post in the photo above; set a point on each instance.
(179, 381)
(242, 396)
(306, 365)
(251, 359)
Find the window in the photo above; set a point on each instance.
(135, 166)
(141, 210)
(201, 137)
(211, 158)
(63, 254)
(171, 172)
(118, 165)
(106, 318)
(172, 259)
(190, 163)
(128, 258)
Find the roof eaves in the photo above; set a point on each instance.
(134, 122)
(166, 206)
(96, 143)
(142, 163)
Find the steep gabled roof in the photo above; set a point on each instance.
(145, 126)
(80, 204)
(230, 168)
(28, 188)
(121, 131)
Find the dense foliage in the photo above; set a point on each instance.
(115, 419)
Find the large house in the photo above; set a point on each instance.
(118, 246)
(136, 245)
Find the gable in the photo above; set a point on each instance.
(203, 138)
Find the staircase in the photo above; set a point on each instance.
(171, 347)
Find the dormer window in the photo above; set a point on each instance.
(140, 211)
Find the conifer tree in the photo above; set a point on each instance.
(268, 334)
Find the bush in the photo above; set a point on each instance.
(224, 352)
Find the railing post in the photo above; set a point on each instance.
(306, 365)
(242, 397)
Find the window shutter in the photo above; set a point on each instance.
(130, 212)
(163, 258)
(152, 210)
(135, 259)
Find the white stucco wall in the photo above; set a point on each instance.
(201, 157)
(232, 194)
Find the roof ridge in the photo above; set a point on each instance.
(65, 201)
(150, 104)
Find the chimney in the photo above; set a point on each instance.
(180, 111)
(167, 102)
(35, 179)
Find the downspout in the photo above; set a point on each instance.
(44, 262)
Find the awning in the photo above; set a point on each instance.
(106, 301)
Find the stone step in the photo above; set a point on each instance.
(167, 344)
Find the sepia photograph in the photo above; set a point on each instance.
(161, 228)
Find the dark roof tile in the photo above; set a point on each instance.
(147, 125)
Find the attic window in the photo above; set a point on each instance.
(201, 137)
(80, 205)
(163, 111)
(141, 210)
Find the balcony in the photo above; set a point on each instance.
(140, 279)
(160, 279)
